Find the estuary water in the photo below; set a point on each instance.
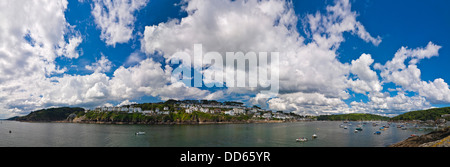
(25, 134)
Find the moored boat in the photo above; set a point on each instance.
(314, 136)
(377, 133)
(302, 139)
(140, 133)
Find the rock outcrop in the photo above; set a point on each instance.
(439, 138)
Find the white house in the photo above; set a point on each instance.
(267, 115)
(229, 112)
(205, 110)
(280, 116)
(137, 109)
(148, 112)
(134, 109)
(239, 111)
(257, 115)
(194, 108)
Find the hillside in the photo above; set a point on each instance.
(430, 114)
(51, 114)
(351, 117)
(180, 117)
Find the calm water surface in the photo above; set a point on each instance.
(246, 135)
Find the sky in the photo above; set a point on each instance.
(335, 56)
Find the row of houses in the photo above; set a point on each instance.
(189, 108)
(270, 115)
(119, 109)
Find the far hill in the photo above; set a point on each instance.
(423, 115)
(351, 117)
(51, 114)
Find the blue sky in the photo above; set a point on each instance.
(338, 56)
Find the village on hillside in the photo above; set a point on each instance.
(205, 106)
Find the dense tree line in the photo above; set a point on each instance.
(51, 114)
(180, 117)
(430, 114)
(351, 117)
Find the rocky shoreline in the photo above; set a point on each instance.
(439, 138)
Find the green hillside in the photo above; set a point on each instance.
(430, 114)
(351, 117)
(51, 114)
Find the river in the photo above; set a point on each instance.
(26, 134)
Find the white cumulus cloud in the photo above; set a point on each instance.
(116, 19)
(102, 65)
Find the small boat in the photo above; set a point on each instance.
(314, 136)
(359, 129)
(356, 131)
(140, 133)
(302, 139)
(377, 133)
(345, 127)
(404, 128)
(413, 135)
(382, 128)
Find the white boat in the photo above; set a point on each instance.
(302, 139)
(314, 136)
(140, 133)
